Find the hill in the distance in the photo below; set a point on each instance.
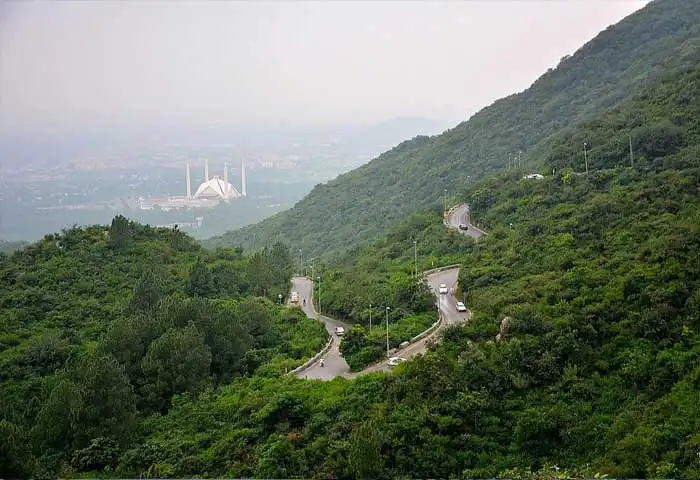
(358, 206)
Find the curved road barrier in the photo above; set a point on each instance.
(313, 359)
(335, 364)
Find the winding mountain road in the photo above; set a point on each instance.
(335, 365)
(460, 215)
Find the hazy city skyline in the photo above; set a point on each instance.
(72, 65)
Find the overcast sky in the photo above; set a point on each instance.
(229, 63)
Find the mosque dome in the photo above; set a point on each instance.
(217, 187)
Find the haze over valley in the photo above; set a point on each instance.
(54, 183)
(98, 123)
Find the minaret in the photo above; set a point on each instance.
(189, 189)
(206, 170)
(243, 178)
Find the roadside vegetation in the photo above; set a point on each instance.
(383, 275)
(102, 328)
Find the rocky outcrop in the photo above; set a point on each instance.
(504, 328)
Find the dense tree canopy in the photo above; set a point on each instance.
(102, 327)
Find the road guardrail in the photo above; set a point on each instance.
(313, 359)
(429, 331)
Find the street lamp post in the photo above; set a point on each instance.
(301, 263)
(415, 258)
(387, 332)
(319, 294)
(370, 318)
(279, 298)
(585, 155)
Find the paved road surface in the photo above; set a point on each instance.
(447, 304)
(460, 215)
(334, 364)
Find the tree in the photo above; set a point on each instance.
(120, 233)
(127, 339)
(109, 401)
(148, 291)
(14, 454)
(177, 362)
(200, 281)
(365, 457)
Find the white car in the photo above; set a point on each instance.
(340, 331)
(461, 307)
(393, 361)
(442, 288)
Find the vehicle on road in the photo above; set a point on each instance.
(442, 288)
(463, 226)
(393, 361)
(340, 331)
(461, 307)
(294, 297)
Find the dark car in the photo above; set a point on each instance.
(463, 226)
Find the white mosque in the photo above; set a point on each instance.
(209, 194)
(216, 188)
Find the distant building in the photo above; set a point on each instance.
(531, 176)
(216, 187)
(209, 194)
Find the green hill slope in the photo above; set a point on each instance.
(101, 327)
(597, 371)
(358, 206)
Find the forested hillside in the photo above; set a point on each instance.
(358, 206)
(101, 327)
(596, 372)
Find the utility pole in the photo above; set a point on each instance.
(319, 295)
(387, 332)
(415, 258)
(445, 199)
(519, 153)
(509, 157)
(585, 155)
(631, 152)
(301, 263)
(370, 318)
